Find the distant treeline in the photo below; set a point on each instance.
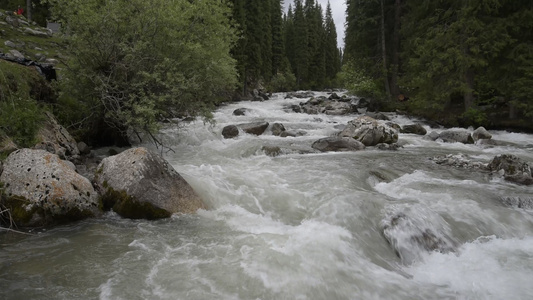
(469, 55)
(285, 51)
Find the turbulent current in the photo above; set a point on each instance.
(300, 225)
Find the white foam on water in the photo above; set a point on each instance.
(487, 268)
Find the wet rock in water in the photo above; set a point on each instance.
(140, 184)
(292, 133)
(271, 150)
(240, 111)
(368, 131)
(230, 131)
(394, 126)
(414, 129)
(512, 169)
(334, 96)
(523, 202)
(256, 128)
(412, 232)
(42, 189)
(377, 116)
(456, 136)
(432, 136)
(338, 144)
(277, 129)
(481, 134)
(303, 94)
(388, 147)
(458, 161)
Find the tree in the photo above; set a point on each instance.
(136, 62)
(332, 57)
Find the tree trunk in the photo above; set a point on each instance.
(28, 10)
(395, 90)
(469, 92)
(384, 51)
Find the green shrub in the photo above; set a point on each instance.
(20, 120)
(283, 82)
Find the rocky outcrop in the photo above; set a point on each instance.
(368, 131)
(414, 129)
(512, 169)
(338, 144)
(456, 136)
(42, 189)
(140, 184)
(56, 139)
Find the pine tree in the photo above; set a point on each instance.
(332, 58)
(300, 43)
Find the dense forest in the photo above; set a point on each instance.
(125, 66)
(461, 62)
(296, 50)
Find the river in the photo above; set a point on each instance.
(296, 226)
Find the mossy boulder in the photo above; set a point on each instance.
(41, 189)
(138, 183)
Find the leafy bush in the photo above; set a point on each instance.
(356, 82)
(20, 120)
(283, 82)
(135, 62)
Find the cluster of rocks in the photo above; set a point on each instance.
(332, 105)
(18, 49)
(49, 184)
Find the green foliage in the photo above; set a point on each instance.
(456, 56)
(474, 117)
(136, 62)
(357, 83)
(283, 82)
(20, 114)
(21, 120)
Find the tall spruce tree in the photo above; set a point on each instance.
(332, 55)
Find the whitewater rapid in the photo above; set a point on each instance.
(301, 225)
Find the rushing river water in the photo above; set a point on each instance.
(296, 226)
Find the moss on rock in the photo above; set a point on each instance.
(128, 207)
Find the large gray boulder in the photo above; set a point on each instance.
(338, 144)
(42, 189)
(140, 184)
(511, 168)
(369, 132)
(456, 136)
